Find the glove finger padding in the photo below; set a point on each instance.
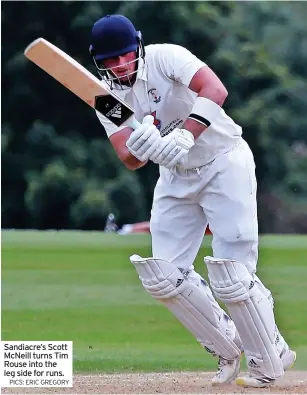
(142, 137)
(184, 138)
(171, 154)
(176, 159)
(171, 159)
(154, 145)
(137, 133)
(166, 146)
(152, 142)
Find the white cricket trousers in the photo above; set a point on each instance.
(221, 194)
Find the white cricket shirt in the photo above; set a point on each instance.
(161, 89)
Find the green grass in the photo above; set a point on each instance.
(81, 286)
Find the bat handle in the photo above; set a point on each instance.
(133, 123)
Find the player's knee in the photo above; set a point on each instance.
(168, 246)
(236, 231)
(241, 250)
(230, 280)
(161, 279)
(235, 240)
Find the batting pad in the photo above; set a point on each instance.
(191, 306)
(251, 311)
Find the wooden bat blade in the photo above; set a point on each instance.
(78, 80)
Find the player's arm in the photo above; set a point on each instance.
(133, 147)
(209, 89)
(207, 84)
(180, 65)
(119, 140)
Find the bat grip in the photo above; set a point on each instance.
(133, 123)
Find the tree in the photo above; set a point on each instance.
(51, 139)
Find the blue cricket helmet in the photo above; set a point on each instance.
(113, 35)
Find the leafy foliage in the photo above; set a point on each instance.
(58, 168)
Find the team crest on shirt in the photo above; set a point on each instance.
(154, 95)
(157, 121)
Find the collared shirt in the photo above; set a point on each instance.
(161, 89)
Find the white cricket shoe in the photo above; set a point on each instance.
(227, 371)
(288, 358)
(255, 380)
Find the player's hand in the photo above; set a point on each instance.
(144, 140)
(173, 148)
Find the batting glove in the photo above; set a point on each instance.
(144, 140)
(173, 148)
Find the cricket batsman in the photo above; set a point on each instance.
(207, 176)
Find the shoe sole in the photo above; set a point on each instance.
(241, 381)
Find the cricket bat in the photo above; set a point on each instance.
(80, 81)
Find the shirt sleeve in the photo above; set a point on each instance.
(109, 126)
(178, 63)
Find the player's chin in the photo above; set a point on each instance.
(126, 80)
(123, 78)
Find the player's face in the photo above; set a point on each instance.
(122, 66)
